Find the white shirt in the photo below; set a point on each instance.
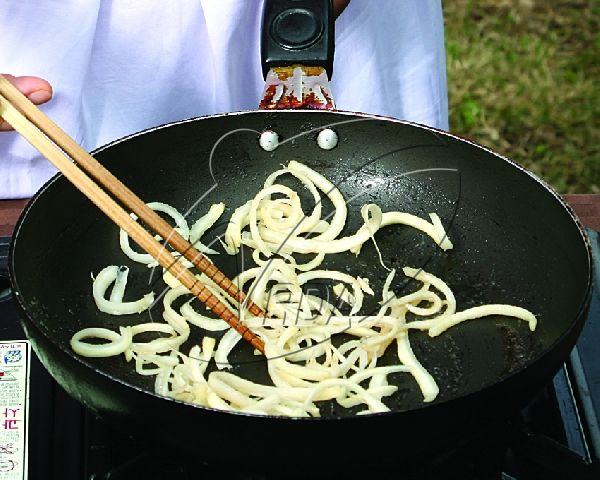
(120, 66)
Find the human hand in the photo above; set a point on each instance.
(36, 89)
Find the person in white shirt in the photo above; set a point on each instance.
(115, 67)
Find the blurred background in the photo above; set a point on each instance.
(524, 80)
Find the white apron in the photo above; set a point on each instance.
(121, 66)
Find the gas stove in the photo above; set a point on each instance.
(557, 435)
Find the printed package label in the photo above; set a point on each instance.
(14, 402)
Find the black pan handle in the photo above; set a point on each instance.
(297, 31)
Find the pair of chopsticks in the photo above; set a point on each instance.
(59, 148)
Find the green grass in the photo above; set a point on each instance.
(523, 80)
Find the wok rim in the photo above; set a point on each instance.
(576, 322)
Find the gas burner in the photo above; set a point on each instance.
(4, 281)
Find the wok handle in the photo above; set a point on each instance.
(297, 32)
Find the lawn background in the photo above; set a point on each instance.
(523, 81)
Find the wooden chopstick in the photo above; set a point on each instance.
(41, 132)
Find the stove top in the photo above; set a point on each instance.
(556, 436)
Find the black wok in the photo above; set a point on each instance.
(515, 241)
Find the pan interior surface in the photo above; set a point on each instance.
(514, 240)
